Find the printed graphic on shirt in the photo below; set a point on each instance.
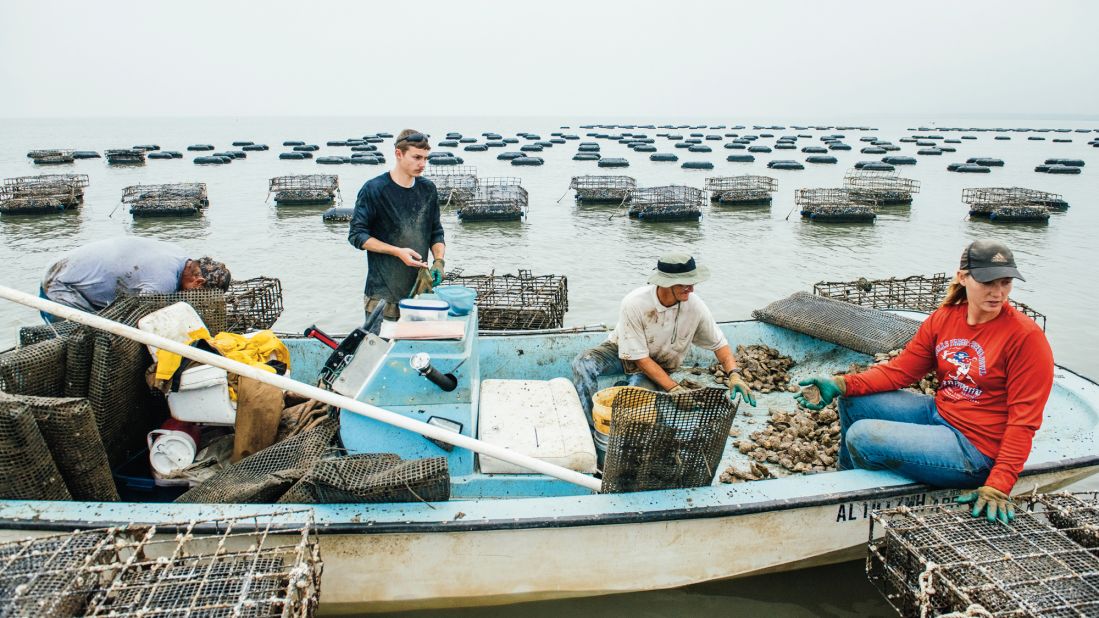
(966, 358)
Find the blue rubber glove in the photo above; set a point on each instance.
(437, 271)
(829, 390)
(995, 504)
(737, 386)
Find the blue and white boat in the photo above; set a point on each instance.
(510, 537)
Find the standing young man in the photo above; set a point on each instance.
(396, 221)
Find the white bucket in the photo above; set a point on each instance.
(170, 450)
(174, 322)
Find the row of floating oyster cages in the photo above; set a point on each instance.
(937, 560)
(516, 302)
(456, 184)
(747, 190)
(304, 190)
(1012, 203)
(166, 200)
(45, 193)
(915, 293)
(496, 199)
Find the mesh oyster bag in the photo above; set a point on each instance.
(662, 441)
(372, 477)
(865, 330)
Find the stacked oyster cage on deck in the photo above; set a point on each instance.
(167, 200)
(259, 565)
(1012, 203)
(602, 189)
(457, 184)
(44, 193)
(496, 199)
(667, 203)
(879, 188)
(832, 205)
(523, 302)
(915, 292)
(934, 560)
(741, 190)
(305, 190)
(253, 304)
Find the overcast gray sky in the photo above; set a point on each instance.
(630, 58)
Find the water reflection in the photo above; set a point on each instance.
(171, 228)
(31, 230)
(294, 213)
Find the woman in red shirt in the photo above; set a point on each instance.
(995, 371)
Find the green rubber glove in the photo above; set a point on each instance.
(437, 271)
(737, 386)
(829, 389)
(995, 504)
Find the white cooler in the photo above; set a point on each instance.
(203, 397)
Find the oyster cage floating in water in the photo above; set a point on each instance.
(496, 199)
(744, 190)
(44, 192)
(984, 201)
(667, 203)
(609, 189)
(178, 199)
(832, 205)
(938, 559)
(523, 302)
(51, 157)
(258, 565)
(457, 184)
(879, 188)
(304, 190)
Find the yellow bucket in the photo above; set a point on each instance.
(601, 406)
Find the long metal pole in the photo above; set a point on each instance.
(305, 390)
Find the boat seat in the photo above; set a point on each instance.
(539, 418)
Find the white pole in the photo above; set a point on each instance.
(305, 390)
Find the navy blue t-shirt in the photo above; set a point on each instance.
(400, 217)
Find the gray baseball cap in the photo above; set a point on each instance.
(988, 260)
(678, 269)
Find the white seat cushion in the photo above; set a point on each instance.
(539, 418)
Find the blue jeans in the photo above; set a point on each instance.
(600, 361)
(903, 432)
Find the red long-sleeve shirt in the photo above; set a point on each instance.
(994, 380)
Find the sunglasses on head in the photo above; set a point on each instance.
(412, 137)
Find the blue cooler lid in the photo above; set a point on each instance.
(424, 304)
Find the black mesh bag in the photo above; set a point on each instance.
(865, 330)
(372, 477)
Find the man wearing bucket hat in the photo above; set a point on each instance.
(657, 324)
(92, 276)
(995, 372)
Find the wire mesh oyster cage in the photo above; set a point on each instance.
(667, 203)
(125, 156)
(11, 205)
(832, 205)
(879, 188)
(176, 199)
(253, 304)
(68, 189)
(985, 201)
(914, 292)
(304, 190)
(602, 189)
(267, 564)
(52, 156)
(457, 184)
(517, 302)
(746, 190)
(497, 199)
(1076, 514)
(937, 559)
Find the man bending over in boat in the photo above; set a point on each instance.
(91, 277)
(995, 371)
(657, 324)
(396, 221)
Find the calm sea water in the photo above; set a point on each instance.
(755, 256)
